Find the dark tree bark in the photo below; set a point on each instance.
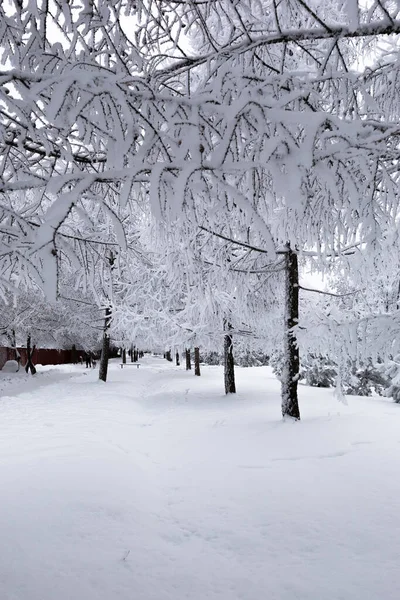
(105, 351)
(177, 359)
(13, 340)
(398, 296)
(29, 353)
(290, 374)
(188, 360)
(124, 356)
(131, 353)
(135, 354)
(229, 367)
(14, 344)
(168, 356)
(197, 361)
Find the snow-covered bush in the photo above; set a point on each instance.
(318, 371)
(277, 364)
(242, 358)
(251, 359)
(212, 358)
(364, 380)
(391, 373)
(11, 366)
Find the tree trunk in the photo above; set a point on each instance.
(168, 356)
(135, 354)
(177, 359)
(290, 374)
(197, 361)
(103, 368)
(131, 353)
(13, 339)
(124, 356)
(188, 361)
(29, 353)
(14, 344)
(229, 367)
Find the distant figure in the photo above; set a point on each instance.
(88, 360)
(93, 357)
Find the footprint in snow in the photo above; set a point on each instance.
(321, 456)
(360, 443)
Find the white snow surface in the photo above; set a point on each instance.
(156, 486)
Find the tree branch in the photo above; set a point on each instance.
(301, 287)
(290, 35)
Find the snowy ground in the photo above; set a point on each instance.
(155, 486)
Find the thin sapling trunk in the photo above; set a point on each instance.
(29, 353)
(197, 361)
(229, 366)
(105, 351)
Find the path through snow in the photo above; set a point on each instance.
(155, 486)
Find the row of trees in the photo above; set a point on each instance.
(173, 163)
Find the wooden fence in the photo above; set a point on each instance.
(41, 356)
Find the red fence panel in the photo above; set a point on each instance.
(41, 356)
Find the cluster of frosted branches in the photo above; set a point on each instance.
(252, 124)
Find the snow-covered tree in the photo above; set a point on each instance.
(258, 111)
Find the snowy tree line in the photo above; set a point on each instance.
(168, 168)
